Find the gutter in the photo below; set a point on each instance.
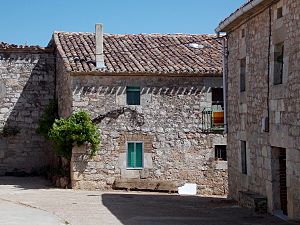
(225, 84)
(237, 14)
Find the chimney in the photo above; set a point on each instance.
(99, 46)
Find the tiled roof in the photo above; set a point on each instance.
(142, 53)
(7, 46)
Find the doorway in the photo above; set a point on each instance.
(279, 180)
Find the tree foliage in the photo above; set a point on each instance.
(64, 133)
(77, 129)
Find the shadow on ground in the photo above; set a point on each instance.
(131, 209)
(25, 182)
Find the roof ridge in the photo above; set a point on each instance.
(139, 34)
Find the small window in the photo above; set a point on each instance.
(217, 96)
(243, 75)
(243, 33)
(278, 63)
(244, 157)
(279, 13)
(135, 155)
(133, 95)
(220, 152)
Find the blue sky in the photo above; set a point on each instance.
(33, 21)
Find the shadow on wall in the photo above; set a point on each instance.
(137, 209)
(29, 83)
(119, 90)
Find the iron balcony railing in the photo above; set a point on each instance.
(212, 119)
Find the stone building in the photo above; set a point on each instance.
(27, 84)
(157, 100)
(263, 83)
(147, 92)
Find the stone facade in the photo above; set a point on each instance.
(255, 40)
(26, 87)
(176, 86)
(168, 122)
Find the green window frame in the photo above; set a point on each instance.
(135, 155)
(133, 95)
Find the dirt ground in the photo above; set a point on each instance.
(127, 208)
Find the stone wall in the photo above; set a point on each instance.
(247, 111)
(26, 87)
(168, 121)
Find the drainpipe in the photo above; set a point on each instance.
(225, 83)
(267, 122)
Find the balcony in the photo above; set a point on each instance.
(213, 119)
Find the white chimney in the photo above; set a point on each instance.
(99, 46)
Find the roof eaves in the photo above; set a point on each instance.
(175, 74)
(244, 10)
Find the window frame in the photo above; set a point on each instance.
(243, 85)
(222, 158)
(134, 168)
(135, 92)
(279, 13)
(244, 162)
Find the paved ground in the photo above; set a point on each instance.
(114, 208)
(16, 214)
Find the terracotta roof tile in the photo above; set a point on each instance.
(142, 53)
(7, 46)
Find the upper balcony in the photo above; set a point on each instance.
(213, 118)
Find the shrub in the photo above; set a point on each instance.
(77, 129)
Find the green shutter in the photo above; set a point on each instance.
(133, 95)
(130, 155)
(139, 155)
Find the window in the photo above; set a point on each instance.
(244, 157)
(217, 108)
(243, 75)
(278, 63)
(220, 152)
(279, 13)
(243, 33)
(133, 95)
(217, 96)
(135, 155)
